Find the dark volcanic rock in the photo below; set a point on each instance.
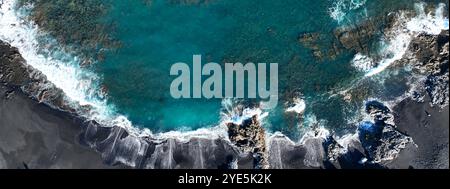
(380, 113)
(358, 37)
(432, 55)
(249, 137)
(380, 138)
(12, 69)
(15, 73)
(314, 42)
(115, 144)
(376, 144)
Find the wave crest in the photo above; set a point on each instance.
(341, 8)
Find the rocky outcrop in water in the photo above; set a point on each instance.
(116, 145)
(249, 137)
(76, 24)
(358, 37)
(319, 46)
(375, 144)
(378, 140)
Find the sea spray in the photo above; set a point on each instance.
(378, 74)
(341, 8)
(395, 42)
(298, 107)
(79, 85)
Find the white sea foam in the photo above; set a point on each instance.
(234, 113)
(80, 85)
(299, 106)
(76, 83)
(320, 132)
(396, 42)
(428, 23)
(394, 47)
(339, 9)
(314, 128)
(362, 62)
(346, 140)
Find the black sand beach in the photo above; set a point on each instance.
(34, 134)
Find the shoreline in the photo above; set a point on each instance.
(68, 147)
(121, 148)
(37, 136)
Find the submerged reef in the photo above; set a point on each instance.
(376, 142)
(75, 24)
(374, 145)
(359, 37)
(80, 25)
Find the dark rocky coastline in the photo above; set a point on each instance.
(432, 55)
(413, 134)
(250, 137)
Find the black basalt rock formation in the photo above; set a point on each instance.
(431, 53)
(249, 137)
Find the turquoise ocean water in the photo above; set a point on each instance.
(158, 33)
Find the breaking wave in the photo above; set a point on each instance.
(395, 43)
(81, 86)
(298, 107)
(60, 68)
(341, 8)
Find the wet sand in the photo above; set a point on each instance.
(33, 135)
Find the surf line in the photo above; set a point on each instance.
(187, 85)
